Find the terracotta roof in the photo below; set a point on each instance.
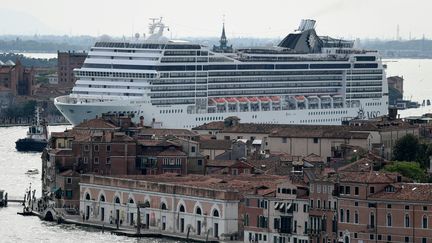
(156, 143)
(372, 177)
(407, 192)
(70, 173)
(216, 125)
(97, 123)
(215, 144)
(162, 132)
(313, 158)
(220, 163)
(243, 183)
(171, 152)
(364, 164)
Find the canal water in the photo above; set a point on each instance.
(16, 228)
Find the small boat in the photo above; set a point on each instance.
(32, 172)
(3, 198)
(37, 136)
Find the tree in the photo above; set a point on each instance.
(406, 148)
(411, 170)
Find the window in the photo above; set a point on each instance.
(407, 207)
(389, 238)
(311, 203)
(102, 198)
(200, 162)
(315, 140)
(424, 222)
(318, 203)
(69, 180)
(246, 220)
(389, 220)
(164, 206)
(108, 148)
(216, 213)
(424, 240)
(372, 189)
(131, 201)
(342, 215)
(347, 216)
(407, 239)
(284, 140)
(96, 160)
(193, 149)
(85, 160)
(356, 217)
(86, 147)
(347, 190)
(425, 208)
(356, 191)
(371, 236)
(356, 204)
(117, 200)
(379, 237)
(407, 221)
(389, 206)
(198, 211)
(182, 209)
(108, 161)
(96, 148)
(68, 194)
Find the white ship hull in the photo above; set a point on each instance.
(76, 113)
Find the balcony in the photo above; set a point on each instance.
(371, 227)
(313, 232)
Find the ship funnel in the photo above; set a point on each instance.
(306, 24)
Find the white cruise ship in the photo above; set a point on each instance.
(305, 79)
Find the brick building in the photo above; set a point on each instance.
(66, 63)
(17, 78)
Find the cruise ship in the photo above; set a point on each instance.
(305, 79)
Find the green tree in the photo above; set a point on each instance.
(411, 170)
(406, 148)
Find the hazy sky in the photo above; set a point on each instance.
(198, 18)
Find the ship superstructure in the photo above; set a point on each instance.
(306, 79)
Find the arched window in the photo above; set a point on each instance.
(164, 206)
(146, 204)
(342, 215)
(198, 211)
(356, 217)
(407, 221)
(131, 201)
(87, 196)
(117, 200)
(102, 198)
(348, 216)
(182, 208)
(425, 222)
(389, 220)
(215, 213)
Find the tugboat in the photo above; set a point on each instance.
(37, 136)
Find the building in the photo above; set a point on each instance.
(202, 207)
(396, 83)
(53, 79)
(17, 78)
(66, 63)
(6, 98)
(327, 141)
(277, 215)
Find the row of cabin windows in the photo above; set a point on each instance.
(171, 111)
(321, 120)
(214, 118)
(327, 112)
